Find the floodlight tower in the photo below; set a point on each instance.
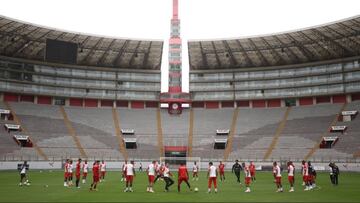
(175, 97)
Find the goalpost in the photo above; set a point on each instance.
(174, 162)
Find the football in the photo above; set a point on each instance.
(196, 189)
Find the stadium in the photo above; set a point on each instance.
(281, 97)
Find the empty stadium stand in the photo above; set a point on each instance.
(276, 94)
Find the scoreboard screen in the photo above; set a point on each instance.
(61, 51)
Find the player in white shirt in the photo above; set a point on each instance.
(85, 169)
(70, 172)
(102, 171)
(167, 177)
(247, 177)
(151, 172)
(305, 173)
(130, 173)
(123, 174)
(291, 172)
(212, 175)
(195, 172)
(303, 170)
(277, 176)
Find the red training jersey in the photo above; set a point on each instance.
(95, 170)
(222, 167)
(183, 172)
(78, 168)
(252, 168)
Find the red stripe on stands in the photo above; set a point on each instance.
(175, 148)
(197, 105)
(108, 103)
(339, 99)
(227, 104)
(151, 104)
(9, 97)
(243, 103)
(27, 98)
(274, 103)
(137, 104)
(323, 99)
(90, 102)
(355, 97)
(44, 100)
(76, 102)
(259, 103)
(306, 101)
(212, 105)
(122, 104)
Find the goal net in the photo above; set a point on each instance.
(174, 162)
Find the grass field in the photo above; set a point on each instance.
(263, 190)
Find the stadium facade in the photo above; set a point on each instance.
(279, 73)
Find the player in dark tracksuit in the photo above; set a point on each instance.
(237, 169)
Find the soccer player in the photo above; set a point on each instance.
(123, 174)
(212, 175)
(277, 176)
(96, 175)
(159, 172)
(130, 173)
(304, 168)
(70, 173)
(305, 173)
(195, 172)
(151, 171)
(167, 177)
(334, 173)
(237, 168)
(23, 177)
(222, 171)
(183, 175)
(140, 167)
(312, 176)
(85, 169)
(102, 170)
(78, 173)
(66, 173)
(247, 172)
(291, 172)
(252, 171)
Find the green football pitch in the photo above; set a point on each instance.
(47, 186)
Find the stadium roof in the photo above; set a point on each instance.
(24, 40)
(330, 41)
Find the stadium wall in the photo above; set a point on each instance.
(72, 85)
(333, 81)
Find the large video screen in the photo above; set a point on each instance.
(60, 51)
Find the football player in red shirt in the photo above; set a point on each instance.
(291, 173)
(66, 174)
(183, 175)
(96, 175)
(277, 176)
(247, 177)
(252, 171)
(222, 171)
(78, 173)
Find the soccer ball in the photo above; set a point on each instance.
(196, 189)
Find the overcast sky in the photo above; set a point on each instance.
(200, 19)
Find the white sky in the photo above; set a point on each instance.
(200, 19)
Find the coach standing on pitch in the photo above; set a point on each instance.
(334, 173)
(237, 169)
